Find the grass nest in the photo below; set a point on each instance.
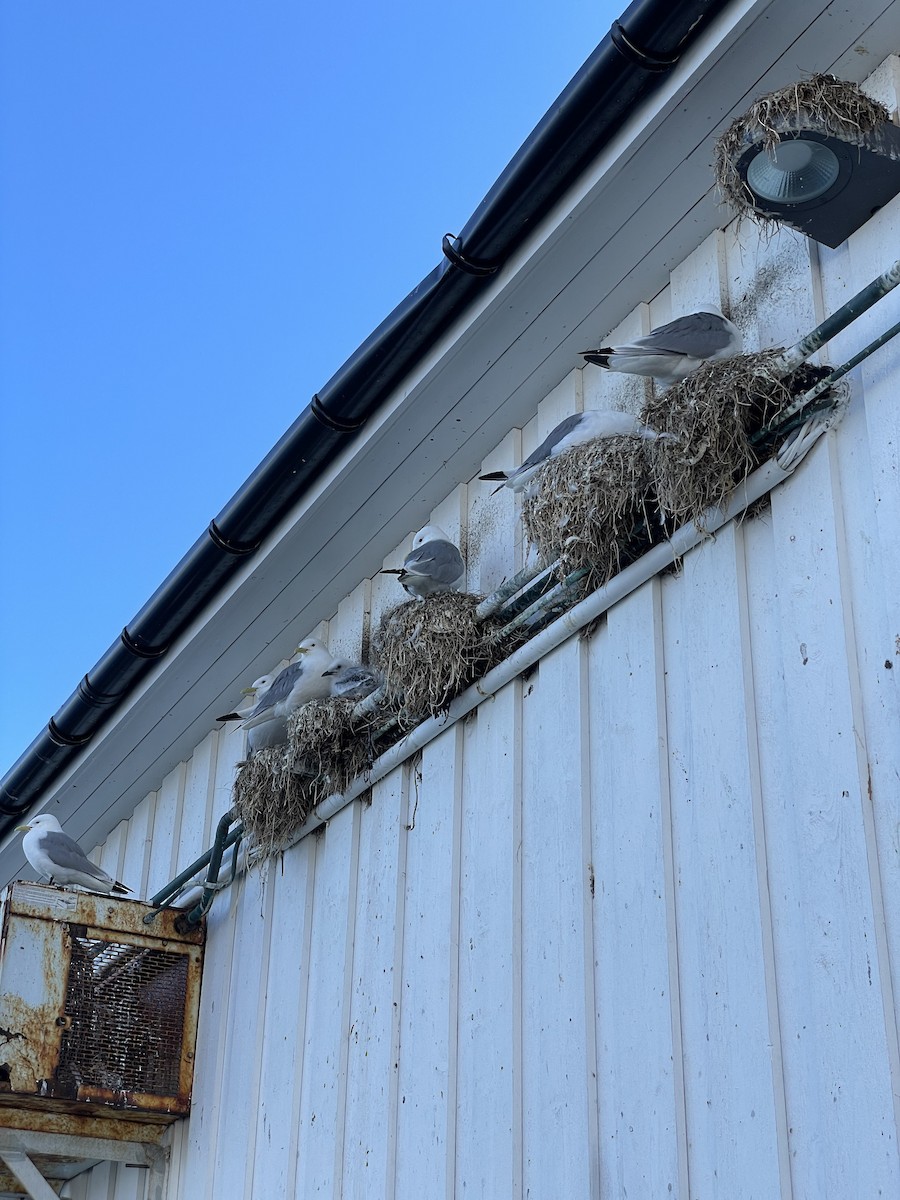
(834, 106)
(711, 416)
(430, 650)
(589, 508)
(328, 749)
(270, 800)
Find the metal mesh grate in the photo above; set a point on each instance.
(126, 1008)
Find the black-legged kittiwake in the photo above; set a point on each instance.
(433, 565)
(573, 431)
(55, 855)
(297, 684)
(352, 681)
(255, 693)
(673, 351)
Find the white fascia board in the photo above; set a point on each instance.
(643, 206)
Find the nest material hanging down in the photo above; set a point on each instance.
(328, 749)
(430, 650)
(270, 800)
(833, 106)
(587, 505)
(712, 415)
(277, 788)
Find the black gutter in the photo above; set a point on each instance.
(626, 68)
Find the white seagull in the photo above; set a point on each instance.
(55, 855)
(297, 684)
(672, 352)
(573, 431)
(255, 693)
(433, 565)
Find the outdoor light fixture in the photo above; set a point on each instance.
(823, 185)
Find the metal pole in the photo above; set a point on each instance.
(791, 358)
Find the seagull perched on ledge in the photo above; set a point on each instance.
(573, 431)
(674, 351)
(433, 565)
(55, 855)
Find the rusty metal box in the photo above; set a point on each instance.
(98, 1010)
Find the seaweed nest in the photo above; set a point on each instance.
(330, 749)
(835, 106)
(588, 508)
(270, 800)
(430, 650)
(711, 417)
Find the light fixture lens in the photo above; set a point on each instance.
(793, 171)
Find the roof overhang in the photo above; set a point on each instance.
(610, 243)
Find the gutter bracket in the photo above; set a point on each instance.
(642, 58)
(450, 246)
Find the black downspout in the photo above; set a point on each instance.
(625, 69)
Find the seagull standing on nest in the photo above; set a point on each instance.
(297, 684)
(573, 431)
(674, 351)
(433, 565)
(55, 855)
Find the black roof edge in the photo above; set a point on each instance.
(626, 67)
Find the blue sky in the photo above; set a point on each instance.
(205, 208)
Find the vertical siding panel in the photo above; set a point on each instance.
(608, 389)
(251, 902)
(485, 1131)
(772, 298)
(638, 1112)
(371, 1074)
(328, 1022)
(213, 1031)
(111, 853)
(136, 862)
(702, 277)
(558, 1151)
(427, 1022)
(166, 823)
(730, 1106)
(284, 1032)
(348, 631)
(198, 793)
(830, 1000)
(493, 543)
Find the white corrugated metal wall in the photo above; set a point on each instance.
(631, 929)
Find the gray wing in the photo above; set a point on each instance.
(698, 335)
(545, 449)
(355, 683)
(280, 689)
(437, 560)
(67, 854)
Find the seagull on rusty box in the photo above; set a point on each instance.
(55, 855)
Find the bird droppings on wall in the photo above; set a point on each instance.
(431, 649)
(711, 416)
(841, 108)
(590, 508)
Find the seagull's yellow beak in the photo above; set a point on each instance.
(248, 691)
(22, 828)
(301, 650)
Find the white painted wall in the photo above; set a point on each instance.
(633, 927)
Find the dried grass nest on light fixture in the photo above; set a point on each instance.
(588, 506)
(711, 416)
(430, 650)
(824, 102)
